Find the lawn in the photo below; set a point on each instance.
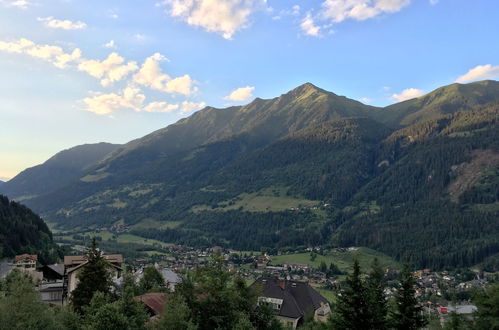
(343, 260)
(272, 199)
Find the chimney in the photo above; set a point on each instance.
(282, 284)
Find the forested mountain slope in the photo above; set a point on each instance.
(22, 231)
(418, 180)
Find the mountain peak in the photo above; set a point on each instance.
(306, 88)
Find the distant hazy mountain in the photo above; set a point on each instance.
(59, 170)
(418, 180)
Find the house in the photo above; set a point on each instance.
(74, 264)
(52, 273)
(297, 266)
(26, 261)
(27, 264)
(291, 300)
(52, 292)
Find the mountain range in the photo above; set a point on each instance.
(418, 180)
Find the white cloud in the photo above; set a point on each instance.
(365, 100)
(480, 72)
(160, 107)
(182, 85)
(21, 4)
(151, 75)
(110, 70)
(240, 94)
(62, 24)
(340, 10)
(433, 2)
(102, 104)
(408, 94)
(225, 17)
(188, 106)
(308, 26)
(52, 54)
(110, 44)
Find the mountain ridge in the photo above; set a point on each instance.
(306, 146)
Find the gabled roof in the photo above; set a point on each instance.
(72, 269)
(33, 257)
(154, 301)
(57, 268)
(298, 297)
(75, 260)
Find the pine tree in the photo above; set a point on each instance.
(377, 304)
(408, 313)
(152, 280)
(351, 310)
(487, 315)
(94, 277)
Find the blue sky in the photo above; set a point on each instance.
(77, 72)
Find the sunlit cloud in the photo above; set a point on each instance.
(49, 53)
(240, 94)
(103, 104)
(480, 72)
(309, 27)
(340, 10)
(407, 94)
(62, 24)
(110, 70)
(224, 17)
(188, 106)
(160, 107)
(151, 75)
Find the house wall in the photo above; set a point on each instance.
(288, 321)
(73, 278)
(322, 313)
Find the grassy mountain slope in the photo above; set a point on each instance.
(444, 100)
(22, 231)
(64, 167)
(261, 121)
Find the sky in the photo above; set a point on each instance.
(75, 72)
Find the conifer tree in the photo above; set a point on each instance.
(152, 280)
(377, 304)
(351, 310)
(408, 313)
(94, 277)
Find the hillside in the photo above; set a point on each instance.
(308, 168)
(64, 167)
(444, 100)
(22, 231)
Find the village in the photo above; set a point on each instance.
(440, 292)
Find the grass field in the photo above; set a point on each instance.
(154, 224)
(271, 199)
(343, 260)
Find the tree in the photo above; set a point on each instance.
(94, 277)
(177, 315)
(487, 314)
(21, 308)
(351, 310)
(408, 313)
(152, 280)
(377, 304)
(217, 299)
